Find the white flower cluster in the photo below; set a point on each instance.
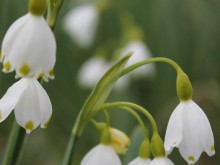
(29, 49)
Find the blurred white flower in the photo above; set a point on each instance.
(140, 161)
(141, 53)
(161, 161)
(29, 48)
(30, 102)
(81, 24)
(190, 131)
(101, 155)
(91, 71)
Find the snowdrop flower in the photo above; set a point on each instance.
(101, 154)
(91, 71)
(141, 52)
(161, 161)
(30, 102)
(140, 161)
(190, 131)
(81, 24)
(29, 47)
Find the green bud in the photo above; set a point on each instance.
(37, 7)
(157, 146)
(144, 151)
(184, 87)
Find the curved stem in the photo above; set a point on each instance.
(143, 127)
(134, 106)
(151, 60)
(15, 144)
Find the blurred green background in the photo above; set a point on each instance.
(187, 31)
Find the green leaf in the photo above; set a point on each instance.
(99, 94)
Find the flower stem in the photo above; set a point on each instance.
(133, 106)
(15, 144)
(151, 60)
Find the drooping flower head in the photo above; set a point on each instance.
(101, 155)
(81, 24)
(29, 46)
(190, 131)
(30, 102)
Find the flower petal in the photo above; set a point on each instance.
(174, 130)
(27, 110)
(10, 99)
(101, 154)
(161, 161)
(140, 161)
(45, 105)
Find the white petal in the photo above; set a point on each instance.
(27, 110)
(11, 34)
(10, 99)
(81, 23)
(45, 105)
(161, 161)
(195, 133)
(174, 130)
(101, 155)
(92, 71)
(140, 161)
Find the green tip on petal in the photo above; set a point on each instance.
(7, 66)
(37, 7)
(191, 158)
(24, 70)
(212, 148)
(51, 73)
(0, 55)
(0, 115)
(29, 126)
(46, 123)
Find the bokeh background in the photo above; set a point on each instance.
(187, 31)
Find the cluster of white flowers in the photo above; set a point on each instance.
(29, 49)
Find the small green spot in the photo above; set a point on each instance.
(7, 66)
(0, 115)
(191, 158)
(46, 123)
(29, 126)
(213, 149)
(24, 70)
(0, 55)
(174, 143)
(51, 73)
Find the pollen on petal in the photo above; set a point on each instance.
(24, 70)
(7, 67)
(29, 126)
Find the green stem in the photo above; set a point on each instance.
(151, 60)
(67, 160)
(15, 143)
(134, 106)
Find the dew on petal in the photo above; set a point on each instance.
(7, 67)
(29, 126)
(24, 70)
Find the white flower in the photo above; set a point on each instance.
(101, 155)
(91, 71)
(141, 53)
(81, 24)
(190, 131)
(29, 47)
(30, 102)
(161, 161)
(140, 161)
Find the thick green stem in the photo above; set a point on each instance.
(133, 106)
(15, 143)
